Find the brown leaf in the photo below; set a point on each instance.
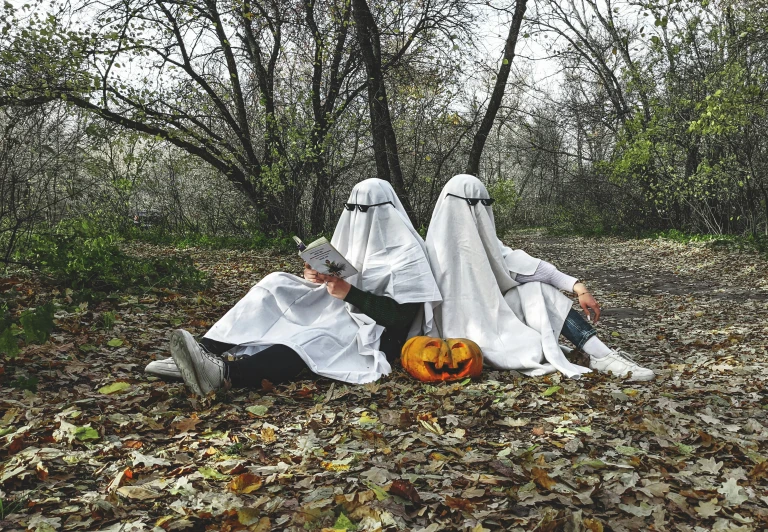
(264, 525)
(759, 471)
(267, 386)
(185, 425)
(458, 503)
(404, 489)
(538, 431)
(245, 483)
(138, 492)
(42, 471)
(542, 478)
(132, 444)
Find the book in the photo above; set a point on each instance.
(324, 258)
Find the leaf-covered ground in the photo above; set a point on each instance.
(100, 447)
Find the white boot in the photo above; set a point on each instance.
(201, 371)
(620, 364)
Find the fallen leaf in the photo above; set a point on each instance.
(115, 387)
(406, 490)
(138, 492)
(542, 478)
(257, 410)
(185, 425)
(245, 483)
(86, 433)
(459, 504)
(734, 494)
(708, 509)
(212, 474)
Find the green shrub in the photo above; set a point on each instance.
(77, 257)
(36, 326)
(506, 198)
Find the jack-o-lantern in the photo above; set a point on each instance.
(434, 359)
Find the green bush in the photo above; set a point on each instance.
(506, 198)
(36, 326)
(77, 257)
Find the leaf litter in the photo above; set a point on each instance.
(99, 446)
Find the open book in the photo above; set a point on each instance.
(324, 258)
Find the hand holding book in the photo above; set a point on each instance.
(337, 287)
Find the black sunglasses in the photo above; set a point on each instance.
(473, 201)
(364, 208)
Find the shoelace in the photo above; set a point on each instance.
(216, 358)
(624, 355)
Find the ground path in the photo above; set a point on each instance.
(687, 452)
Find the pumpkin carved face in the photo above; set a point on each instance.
(434, 359)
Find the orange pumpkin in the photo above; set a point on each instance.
(434, 359)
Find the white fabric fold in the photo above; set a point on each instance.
(516, 326)
(331, 336)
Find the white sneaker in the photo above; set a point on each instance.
(165, 369)
(201, 371)
(620, 364)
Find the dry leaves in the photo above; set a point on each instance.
(101, 447)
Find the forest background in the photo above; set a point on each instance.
(157, 155)
(252, 120)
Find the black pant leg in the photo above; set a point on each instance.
(278, 363)
(215, 347)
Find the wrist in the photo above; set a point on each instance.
(580, 289)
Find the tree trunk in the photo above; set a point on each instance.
(384, 138)
(473, 165)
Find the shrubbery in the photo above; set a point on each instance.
(77, 257)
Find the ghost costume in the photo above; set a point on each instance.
(332, 337)
(516, 325)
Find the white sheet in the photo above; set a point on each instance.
(516, 326)
(332, 337)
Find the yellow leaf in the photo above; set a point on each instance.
(336, 466)
(115, 387)
(245, 483)
(268, 435)
(367, 419)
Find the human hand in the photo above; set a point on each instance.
(337, 287)
(588, 303)
(311, 275)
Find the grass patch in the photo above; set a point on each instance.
(76, 256)
(756, 243)
(280, 242)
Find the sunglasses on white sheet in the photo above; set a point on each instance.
(364, 208)
(473, 201)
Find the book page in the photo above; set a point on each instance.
(326, 260)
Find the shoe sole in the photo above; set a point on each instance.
(180, 350)
(641, 378)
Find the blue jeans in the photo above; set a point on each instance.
(577, 330)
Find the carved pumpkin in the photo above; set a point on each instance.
(434, 359)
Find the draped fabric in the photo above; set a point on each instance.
(331, 336)
(516, 326)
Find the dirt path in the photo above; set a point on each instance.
(687, 452)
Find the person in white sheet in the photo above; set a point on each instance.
(347, 331)
(505, 300)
